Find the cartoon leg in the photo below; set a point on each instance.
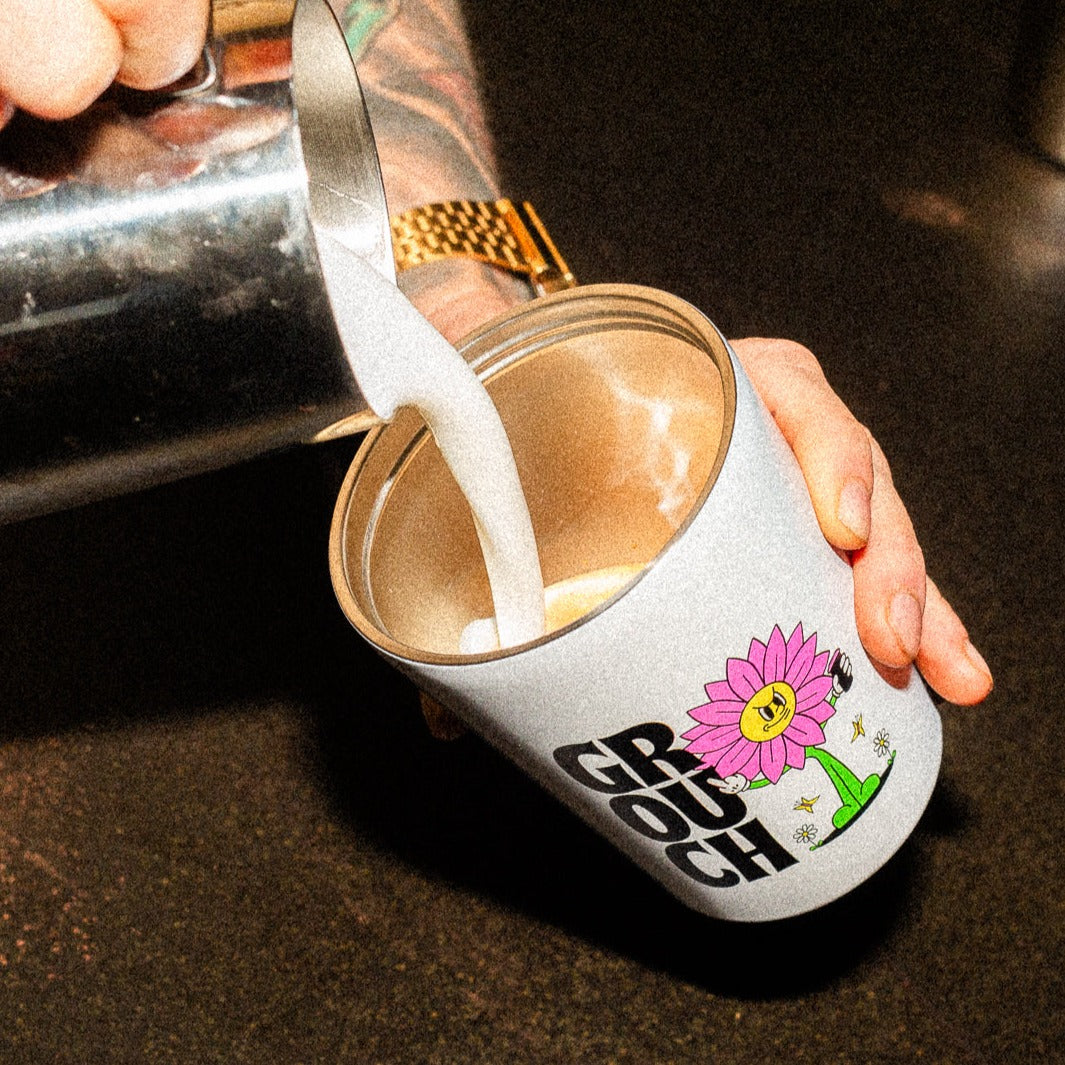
(853, 793)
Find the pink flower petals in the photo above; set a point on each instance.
(717, 737)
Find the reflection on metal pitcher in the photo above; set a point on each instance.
(162, 306)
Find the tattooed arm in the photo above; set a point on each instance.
(420, 84)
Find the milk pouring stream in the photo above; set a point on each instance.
(399, 359)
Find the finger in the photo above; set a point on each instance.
(947, 658)
(162, 39)
(833, 449)
(7, 109)
(889, 576)
(56, 56)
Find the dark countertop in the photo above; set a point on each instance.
(224, 832)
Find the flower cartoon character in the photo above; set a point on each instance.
(768, 716)
(766, 713)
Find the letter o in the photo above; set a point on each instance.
(651, 817)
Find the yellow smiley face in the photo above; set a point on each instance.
(768, 712)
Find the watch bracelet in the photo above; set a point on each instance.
(497, 232)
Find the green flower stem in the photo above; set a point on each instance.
(853, 793)
(844, 781)
(763, 781)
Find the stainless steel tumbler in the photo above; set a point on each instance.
(162, 306)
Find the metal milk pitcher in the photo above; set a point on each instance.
(162, 306)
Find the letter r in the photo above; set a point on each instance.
(647, 764)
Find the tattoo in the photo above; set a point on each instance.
(418, 77)
(363, 20)
(420, 83)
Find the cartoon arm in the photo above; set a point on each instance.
(842, 676)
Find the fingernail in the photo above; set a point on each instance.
(976, 660)
(904, 617)
(854, 509)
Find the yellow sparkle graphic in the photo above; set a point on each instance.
(807, 804)
(859, 728)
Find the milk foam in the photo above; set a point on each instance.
(564, 602)
(400, 360)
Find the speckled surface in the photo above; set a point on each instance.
(224, 833)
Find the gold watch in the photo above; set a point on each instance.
(510, 236)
